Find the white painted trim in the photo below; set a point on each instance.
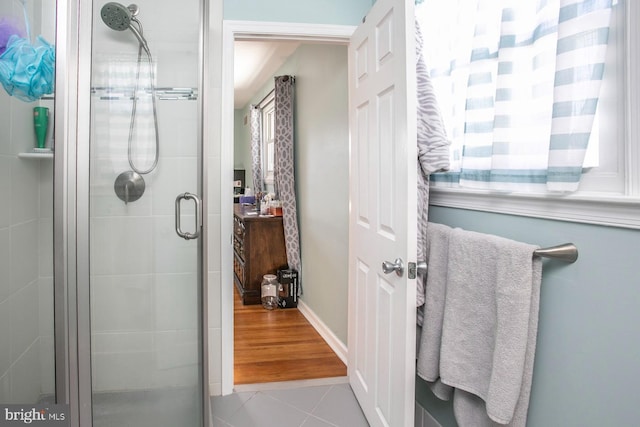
(632, 90)
(254, 30)
(338, 347)
(288, 385)
(317, 33)
(606, 210)
(215, 389)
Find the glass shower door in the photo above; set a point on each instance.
(145, 150)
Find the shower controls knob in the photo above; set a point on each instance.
(129, 186)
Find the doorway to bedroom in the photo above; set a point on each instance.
(307, 342)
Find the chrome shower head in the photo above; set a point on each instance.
(118, 17)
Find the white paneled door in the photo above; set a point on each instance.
(383, 213)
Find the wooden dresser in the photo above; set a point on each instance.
(258, 249)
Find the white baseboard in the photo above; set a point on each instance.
(215, 389)
(338, 347)
(287, 385)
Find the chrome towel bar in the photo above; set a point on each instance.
(567, 252)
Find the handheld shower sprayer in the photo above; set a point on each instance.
(117, 16)
(120, 18)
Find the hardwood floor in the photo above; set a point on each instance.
(279, 345)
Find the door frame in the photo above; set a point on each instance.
(232, 31)
(64, 214)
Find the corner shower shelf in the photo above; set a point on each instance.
(36, 155)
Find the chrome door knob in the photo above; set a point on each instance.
(390, 267)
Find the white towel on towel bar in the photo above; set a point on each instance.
(489, 327)
(437, 255)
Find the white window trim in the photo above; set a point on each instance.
(611, 210)
(620, 211)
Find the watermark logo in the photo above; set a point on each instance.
(34, 415)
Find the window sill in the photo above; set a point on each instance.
(608, 210)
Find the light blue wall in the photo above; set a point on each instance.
(321, 133)
(242, 142)
(587, 364)
(322, 180)
(339, 12)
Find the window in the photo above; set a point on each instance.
(609, 191)
(268, 138)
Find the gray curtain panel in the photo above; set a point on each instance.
(284, 171)
(256, 148)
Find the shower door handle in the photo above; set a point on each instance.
(196, 200)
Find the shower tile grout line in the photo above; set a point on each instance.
(311, 415)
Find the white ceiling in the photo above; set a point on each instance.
(254, 63)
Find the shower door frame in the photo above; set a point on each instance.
(74, 20)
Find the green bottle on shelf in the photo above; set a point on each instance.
(41, 124)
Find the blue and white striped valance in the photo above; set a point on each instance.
(518, 83)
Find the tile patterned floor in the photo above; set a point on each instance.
(314, 406)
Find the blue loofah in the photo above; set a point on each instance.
(26, 70)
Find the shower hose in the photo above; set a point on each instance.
(135, 104)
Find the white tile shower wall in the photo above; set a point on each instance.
(5, 263)
(45, 281)
(129, 307)
(25, 353)
(23, 305)
(5, 181)
(143, 276)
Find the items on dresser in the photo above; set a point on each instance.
(238, 184)
(258, 246)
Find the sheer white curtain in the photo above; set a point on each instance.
(518, 84)
(256, 148)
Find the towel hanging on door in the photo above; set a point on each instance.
(433, 150)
